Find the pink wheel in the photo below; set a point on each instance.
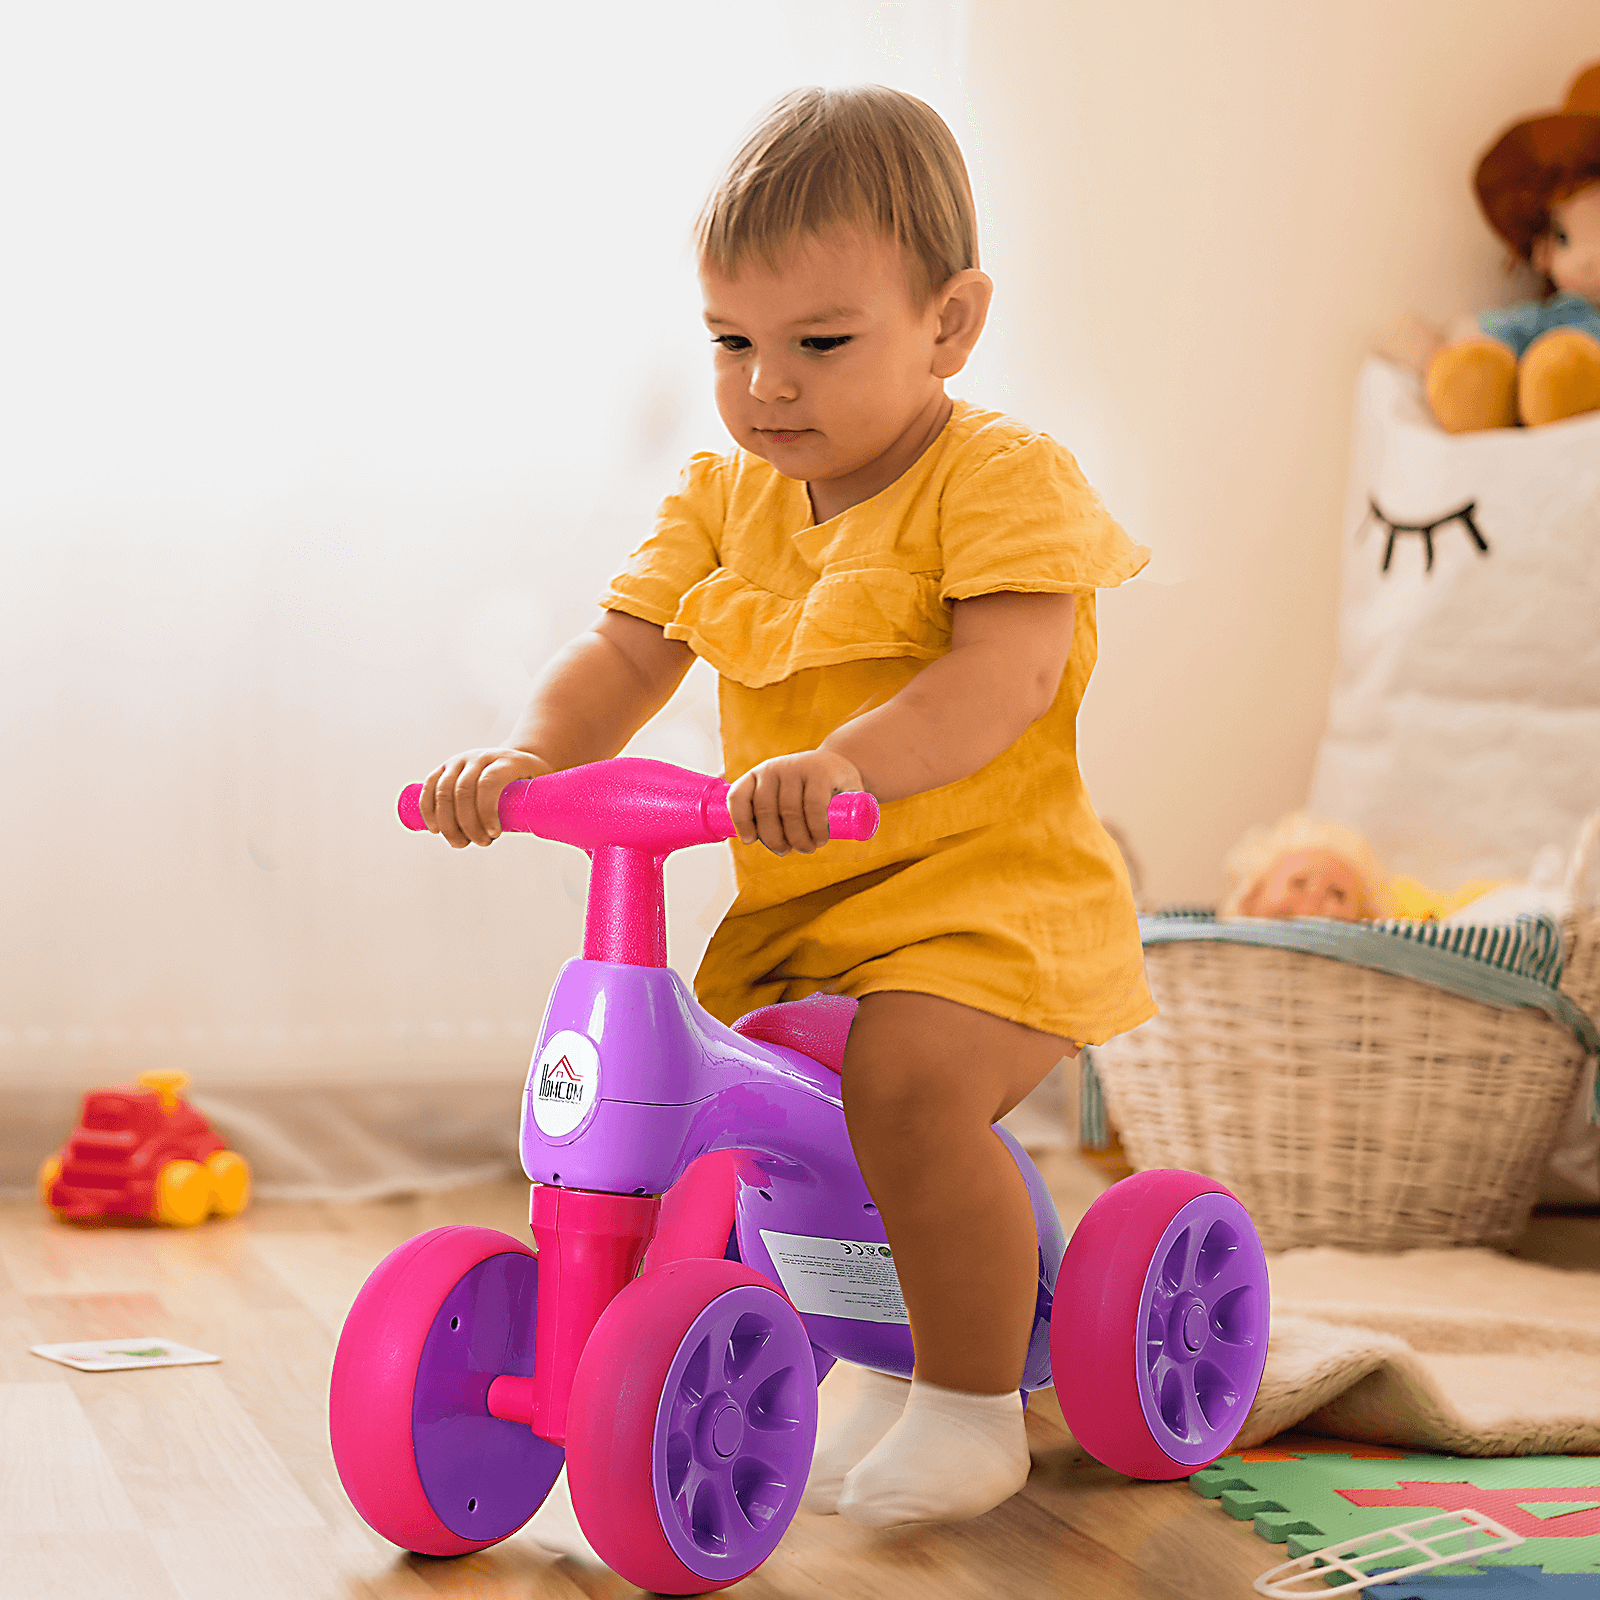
(1159, 1330)
(417, 1451)
(691, 1427)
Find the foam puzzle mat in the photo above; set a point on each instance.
(1305, 1493)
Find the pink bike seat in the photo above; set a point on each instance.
(817, 1026)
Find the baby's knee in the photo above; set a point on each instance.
(889, 1105)
(905, 1108)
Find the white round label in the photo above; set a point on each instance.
(565, 1082)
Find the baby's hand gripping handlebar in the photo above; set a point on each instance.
(635, 804)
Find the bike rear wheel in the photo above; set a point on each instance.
(1159, 1331)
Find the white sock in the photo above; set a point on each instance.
(879, 1401)
(555, 1526)
(951, 1456)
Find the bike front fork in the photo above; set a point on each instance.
(590, 1247)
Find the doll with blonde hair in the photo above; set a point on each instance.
(1306, 866)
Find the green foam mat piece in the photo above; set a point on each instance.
(1306, 1493)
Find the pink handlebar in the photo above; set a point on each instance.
(630, 815)
(637, 804)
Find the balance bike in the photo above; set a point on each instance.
(707, 1249)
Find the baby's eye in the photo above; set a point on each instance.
(1559, 235)
(821, 344)
(734, 343)
(1335, 893)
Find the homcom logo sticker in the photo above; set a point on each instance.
(564, 1082)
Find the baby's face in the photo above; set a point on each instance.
(1569, 254)
(1309, 883)
(823, 364)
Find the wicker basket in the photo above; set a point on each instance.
(1580, 928)
(1345, 1106)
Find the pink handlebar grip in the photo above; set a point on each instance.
(411, 807)
(850, 816)
(853, 816)
(515, 812)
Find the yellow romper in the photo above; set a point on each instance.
(1000, 891)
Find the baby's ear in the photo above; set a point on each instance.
(964, 307)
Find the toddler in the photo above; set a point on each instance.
(897, 590)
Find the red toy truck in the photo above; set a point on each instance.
(142, 1153)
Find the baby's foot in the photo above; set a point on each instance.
(879, 1401)
(951, 1456)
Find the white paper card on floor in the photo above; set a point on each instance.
(1464, 729)
(123, 1355)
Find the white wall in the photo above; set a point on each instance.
(349, 347)
(1200, 217)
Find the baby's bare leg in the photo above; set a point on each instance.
(924, 1079)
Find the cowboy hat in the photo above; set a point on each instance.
(1515, 179)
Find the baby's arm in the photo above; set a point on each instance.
(1001, 674)
(589, 700)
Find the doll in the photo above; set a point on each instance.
(1537, 361)
(1306, 867)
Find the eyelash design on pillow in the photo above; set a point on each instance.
(1462, 514)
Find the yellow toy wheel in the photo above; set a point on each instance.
(183, 1194)
(49, 1171)
(230, 1182)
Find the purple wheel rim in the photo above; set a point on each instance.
(734, 1432)
(483, 1476)
(1201, 1330)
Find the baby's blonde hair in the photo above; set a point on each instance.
(1249, 860)
(821, 158)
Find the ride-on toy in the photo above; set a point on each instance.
(707, 1249)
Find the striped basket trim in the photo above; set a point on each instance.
(1530, 946)
(1092, 1133)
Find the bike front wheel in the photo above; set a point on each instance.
(691, 1427)
(418, 1453)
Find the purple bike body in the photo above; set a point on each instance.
(673, 1084)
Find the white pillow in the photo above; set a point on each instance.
(1464, 728)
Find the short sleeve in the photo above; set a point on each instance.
(1026, 519)
(681, 552)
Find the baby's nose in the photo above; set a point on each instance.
(770, 381)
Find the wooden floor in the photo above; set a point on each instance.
(216, 1482)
